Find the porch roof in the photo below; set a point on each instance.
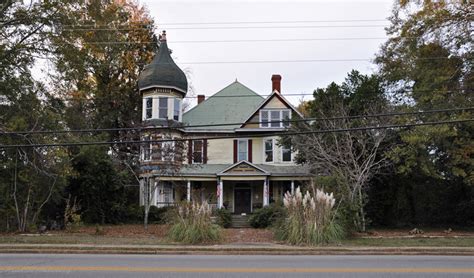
(215, 170)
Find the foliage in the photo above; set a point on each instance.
(353, 157)
(267, 216)
(72, 218)
(224, 218)
(192, 224)
(159, 215)
(311, 220)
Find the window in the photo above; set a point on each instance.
(285, 154)
(275, 118)
(268, 150)
(146, 149)
(242, 150)
(177, 106)
(167, 150)
(163, 108)
(148, 107)
(264, 118)
(197, 154)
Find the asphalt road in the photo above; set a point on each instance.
(44, 265)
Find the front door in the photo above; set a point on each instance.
(242, 199)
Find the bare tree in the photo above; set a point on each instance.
(165, 158)
(352, 156)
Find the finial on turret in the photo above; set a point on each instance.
(163, 36)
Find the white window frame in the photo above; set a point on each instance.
(282, 153)
(159, 108)
(268, 123)
(150, 149)
(201, 151)
(178, 102)
(168, 144)
(148, 108)
(246, 149)
(265, 150)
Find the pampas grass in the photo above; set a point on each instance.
(310, 219)
(192, 224)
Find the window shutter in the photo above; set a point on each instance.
(250, 150)
(235, 151)
(190, 151)
(204, 151)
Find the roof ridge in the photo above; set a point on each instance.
(236, 81)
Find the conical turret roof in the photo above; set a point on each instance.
(163, 72)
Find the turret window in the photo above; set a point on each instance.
(148, 108)
(177, 106)
(163, 108)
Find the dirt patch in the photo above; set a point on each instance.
(428, 232)
(248, 235)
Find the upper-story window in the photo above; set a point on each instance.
(148, 107)
(268, 150)
(242, 149)
(176, 110)
(285, 154)
(198, 151)
(163, 108)
(275, 118)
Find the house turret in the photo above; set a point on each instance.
(163, 85)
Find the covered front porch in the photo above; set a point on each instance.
(241, 188)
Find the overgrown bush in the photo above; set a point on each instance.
(310, 220)
(267, 216)
(224, 218)
(192, 224)
(158, 215)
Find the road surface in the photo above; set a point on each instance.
(44, 265)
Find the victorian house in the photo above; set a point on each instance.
(224, 150)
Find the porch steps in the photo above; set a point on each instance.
(240, 221)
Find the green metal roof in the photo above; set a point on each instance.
(223, 108)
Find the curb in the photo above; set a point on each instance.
(232, 250)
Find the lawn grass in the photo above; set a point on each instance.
(155, 240)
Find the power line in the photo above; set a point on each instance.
(226, 27)
(231, 22)
(379, 115)
(233, 137)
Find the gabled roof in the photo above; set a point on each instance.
(267, 100)
(223, 108)
(243, 168)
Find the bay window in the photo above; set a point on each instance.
(146, 149)
(177, 105)
(148, 107)
(162, 108)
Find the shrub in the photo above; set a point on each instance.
(158, 215)
(192, 224)
(224, 218)
(267, 216)
(310, 220)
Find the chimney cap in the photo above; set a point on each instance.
(276, 77)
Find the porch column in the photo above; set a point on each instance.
(188, 191)
(292, 187)
(266, 192)
(220, 194)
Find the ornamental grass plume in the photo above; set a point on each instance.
(192, 224)
(310, 219)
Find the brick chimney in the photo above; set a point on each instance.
(276, 83)
(201, 98)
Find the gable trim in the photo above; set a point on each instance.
(223, 172)
(280, 97)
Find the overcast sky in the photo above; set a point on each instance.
(297, 77)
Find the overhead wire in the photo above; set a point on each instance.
(312, 119)
(233, 136)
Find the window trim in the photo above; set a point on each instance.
(150, 149)
(291, 155)
(246, 149)
(265, 150)
(148, 108)
(202, 152)
(268, 124)
(166, 108)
